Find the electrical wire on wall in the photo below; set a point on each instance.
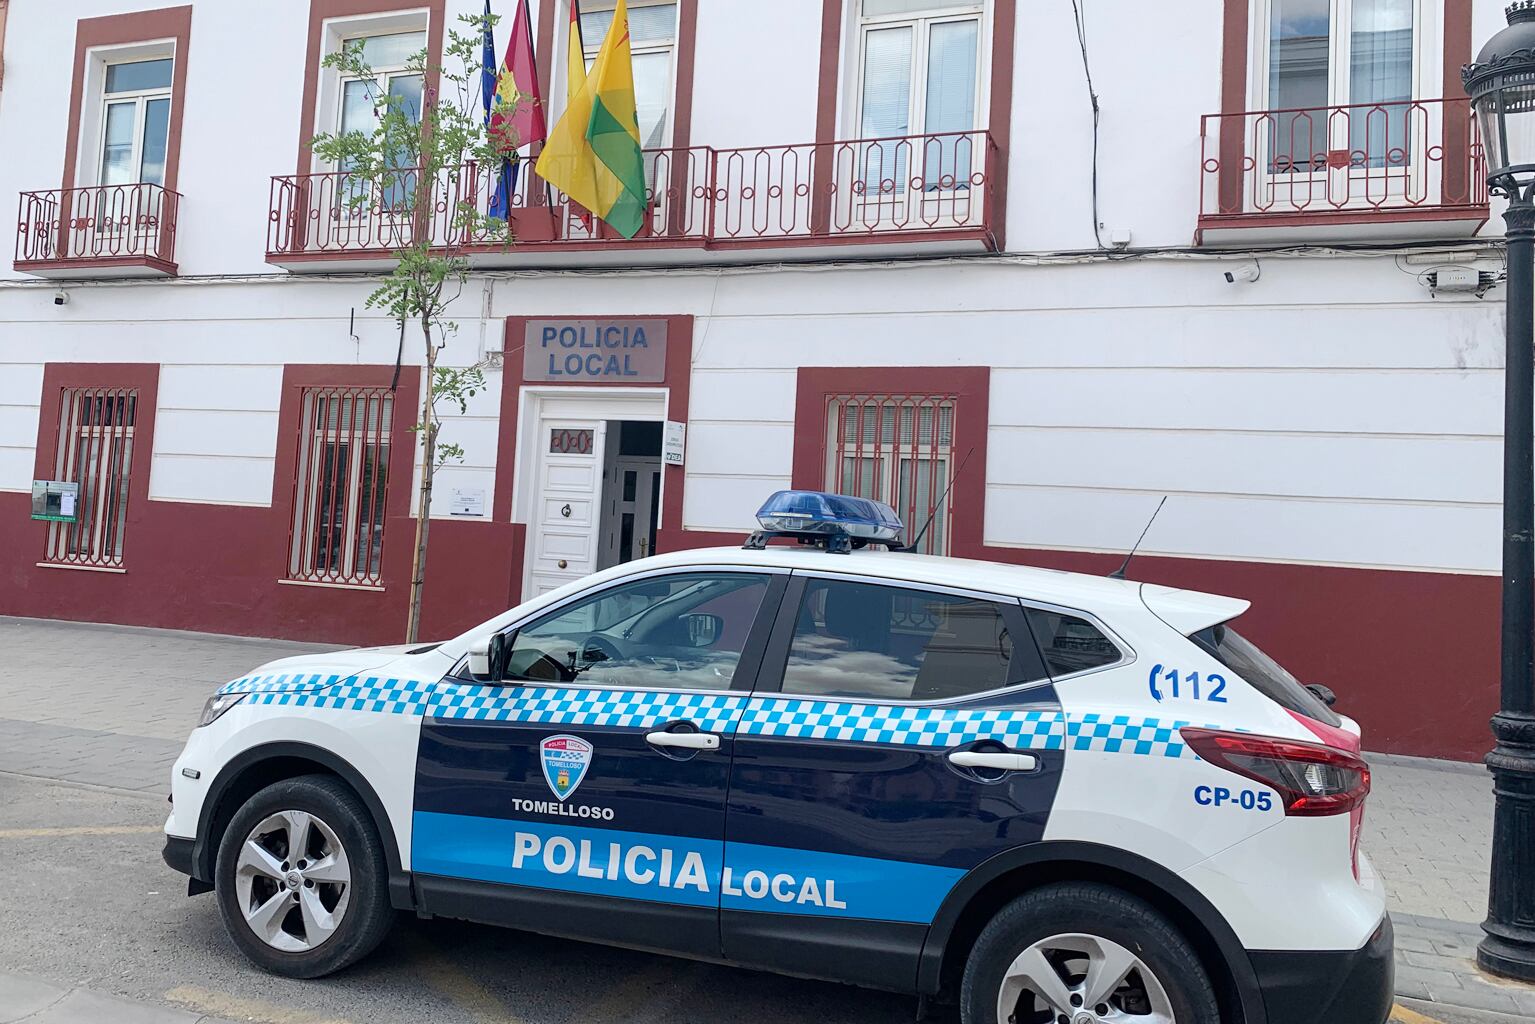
(1092, 96)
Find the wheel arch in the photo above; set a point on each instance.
(260, 766)
(995, 882)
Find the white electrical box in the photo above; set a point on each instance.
(1456, 279)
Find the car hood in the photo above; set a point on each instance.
(316, 671)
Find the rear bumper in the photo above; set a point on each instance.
(1328, 987)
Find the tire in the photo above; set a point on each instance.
(1066, 929)
(283, 921)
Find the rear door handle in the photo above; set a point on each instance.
(995, 760)
(686, 740)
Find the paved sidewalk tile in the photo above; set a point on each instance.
(21, 997)
(1436, 962)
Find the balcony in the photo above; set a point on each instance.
(1381, 171)
(768, 202)
(121, 230)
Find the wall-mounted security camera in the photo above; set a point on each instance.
(60, 297)
(1247, 273)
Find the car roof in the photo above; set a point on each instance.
(1184, 610)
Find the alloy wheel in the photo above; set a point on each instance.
(293, 881)
(1075, 978)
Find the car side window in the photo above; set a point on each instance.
(683, 631)
(1070, 643)
(868, 640)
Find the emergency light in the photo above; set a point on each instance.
(839, 521)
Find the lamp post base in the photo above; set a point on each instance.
(1509, 948)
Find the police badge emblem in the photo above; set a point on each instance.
(565, 760)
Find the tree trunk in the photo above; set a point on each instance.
(428, 469)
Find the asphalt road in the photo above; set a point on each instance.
(85, 900)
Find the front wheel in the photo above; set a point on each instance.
(301, 878)
(1084, 954)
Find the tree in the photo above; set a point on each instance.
(423, 162)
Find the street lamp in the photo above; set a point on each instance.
(1501, 85)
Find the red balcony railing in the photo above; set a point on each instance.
(1413, 160)
(97, 226)
(928, 186)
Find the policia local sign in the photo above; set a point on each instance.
(572, 351)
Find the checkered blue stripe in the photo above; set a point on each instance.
(788, 717)
(907, 726)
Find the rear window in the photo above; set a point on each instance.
(1270, 678)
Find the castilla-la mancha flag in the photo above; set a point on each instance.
(594, 152)
(514, 110)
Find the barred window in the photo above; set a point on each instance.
(341, 480)
(897, 449)
(95, 451)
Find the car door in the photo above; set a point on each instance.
(900, 735)
(585, 794)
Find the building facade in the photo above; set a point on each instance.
(891, 246)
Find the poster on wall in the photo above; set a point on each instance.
(56, 501)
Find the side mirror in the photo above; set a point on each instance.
(497, 654)
(479, 659)
(703, 630)
(1322, 693)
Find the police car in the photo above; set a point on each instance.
(1049, 796)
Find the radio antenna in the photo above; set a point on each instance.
(1119, 574)
(939, 503)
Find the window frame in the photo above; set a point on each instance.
(140, 98)
(673, 46)
(748, 668)
(1127, 655)
(85, 542)
(307, 494)
(922, 23)
(324, 104)
(888, 456)
(776, 659)
(1427, 42)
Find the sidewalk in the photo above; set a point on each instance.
(37, 1002)
(112, 705)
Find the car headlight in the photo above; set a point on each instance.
(217, 705)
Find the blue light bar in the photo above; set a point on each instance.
(818, 515)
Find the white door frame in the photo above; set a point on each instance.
(564, 402)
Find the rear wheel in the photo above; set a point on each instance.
(301, 878)
(1084, 954)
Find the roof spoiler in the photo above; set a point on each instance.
(1189, 611)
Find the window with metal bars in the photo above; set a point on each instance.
(340, 484)
(897, 449)
(95, 451)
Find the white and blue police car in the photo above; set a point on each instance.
(1052, 797)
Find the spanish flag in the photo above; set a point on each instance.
(594, 151)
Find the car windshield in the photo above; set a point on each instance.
(1272, 679)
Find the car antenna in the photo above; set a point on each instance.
(1119, 574)
(939, 503)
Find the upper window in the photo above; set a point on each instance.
(135, 121)
(869, 640)
(1070, 643)
(1322, 54)
(918, 67)
(684, 631)
(342, 481)
(389, 57)
(95, 451)
(653, 43)
(896, 449)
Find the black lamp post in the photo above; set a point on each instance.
(1501, 85)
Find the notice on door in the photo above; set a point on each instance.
(582, 351)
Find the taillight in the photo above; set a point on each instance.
(1312, 780)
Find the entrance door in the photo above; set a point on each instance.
(632, 497)
(565, 512)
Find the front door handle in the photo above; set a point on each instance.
(685, 740)
(995, 760)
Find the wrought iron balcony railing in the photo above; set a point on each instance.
(914, 187)
(1361, 163)
(64, 230)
